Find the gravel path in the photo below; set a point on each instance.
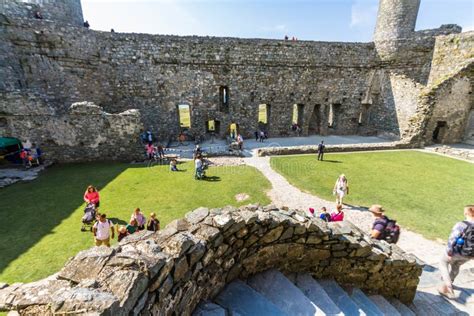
(285, 194)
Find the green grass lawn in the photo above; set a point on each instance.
(42, 219)
(423, 192)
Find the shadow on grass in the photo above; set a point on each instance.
(117, 221)
(211, 179)
(331, 161)
(44, 203)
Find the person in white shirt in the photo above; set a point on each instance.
(103, 229)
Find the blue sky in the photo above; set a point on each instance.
(321, 20)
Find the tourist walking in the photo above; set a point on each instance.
(460, 250)
(103, 230)
(341, 188)
(92, 196)
(256, 133)
(262, 136)
(138, 216)
(240, 141)
(321, 148)
(384, 228)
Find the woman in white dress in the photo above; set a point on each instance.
(341, 188)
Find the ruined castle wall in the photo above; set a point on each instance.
(451, 54)
(156, 73)
(451, 104)
(61, 11)
(192, 259)
(84, 133)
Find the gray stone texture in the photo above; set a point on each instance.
(341, 88)
(171, 271)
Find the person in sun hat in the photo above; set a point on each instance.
(380, 221)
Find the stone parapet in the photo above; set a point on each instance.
(193, 258)
(313, 149)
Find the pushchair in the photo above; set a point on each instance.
(88, 219)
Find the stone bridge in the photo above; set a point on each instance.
(192, 259)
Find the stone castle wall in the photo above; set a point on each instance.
(367, 88)
(84, 132)
(192, 259)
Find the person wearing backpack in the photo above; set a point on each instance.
(460, 250)
(383, 227)
(101, 231)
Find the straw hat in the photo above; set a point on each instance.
(376, 209)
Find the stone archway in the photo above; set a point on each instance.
(192, 259)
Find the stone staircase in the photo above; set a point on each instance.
(273, 293)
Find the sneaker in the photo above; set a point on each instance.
(449, 294)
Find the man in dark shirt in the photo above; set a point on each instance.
(380, 222)
(321, 150)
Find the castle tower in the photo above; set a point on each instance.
(396, 19)
(61, 11)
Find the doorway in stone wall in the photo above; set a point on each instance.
(263, 117)
(439, 131)
(469, 133)
(315, 121)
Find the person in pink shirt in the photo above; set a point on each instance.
(92, 196)
(140, 218)
(339, 215)
(150, 150)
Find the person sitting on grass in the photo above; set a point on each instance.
(101, 231)
(337, 216)
(325, 216)
(153, 223)
(459, 251)
(122, 233)
(174, 165)
(138, 216)
(132, 227)
(92, 196)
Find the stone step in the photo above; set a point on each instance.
(341, 298)
(240, 299)
(209, 309)
(401, 308)
(431, 304)
(365, 303)
(384, 306)
(316, 294)
(283, 293)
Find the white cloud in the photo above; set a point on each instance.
(363, 13)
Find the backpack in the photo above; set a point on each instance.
(391, 233)
(325, 217)
(467, 248)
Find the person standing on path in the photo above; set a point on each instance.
(101, 231)
(341, 188)
(321, 148)
(460, 250)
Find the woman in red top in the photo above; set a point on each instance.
(92, 196)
